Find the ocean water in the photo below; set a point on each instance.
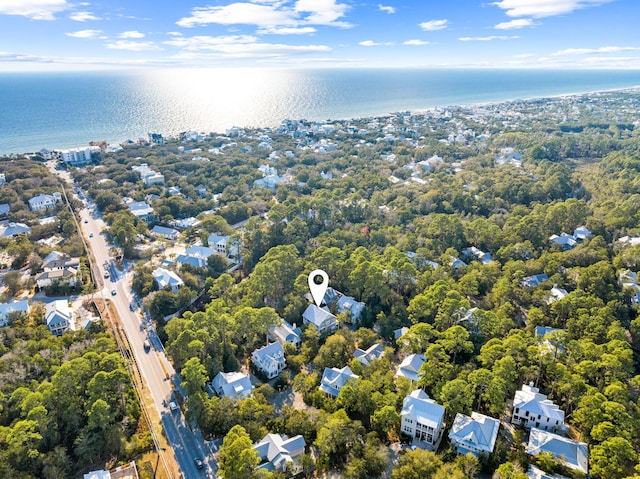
(64, 110)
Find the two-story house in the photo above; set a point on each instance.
(334, 379)
(422, 419)
(167, 279)
(58, 317)
(269, 359)
(233, 385)
(532, 409)
(320, 318)
(410, 367)
(285, 333)
(474, 435)
(280, 453)
(44, 202)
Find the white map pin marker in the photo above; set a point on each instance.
(318, 290)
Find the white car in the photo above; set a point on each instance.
(173, 405)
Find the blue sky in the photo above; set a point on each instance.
(65, 34)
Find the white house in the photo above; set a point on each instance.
(422, 419)
(279, 453)
(536, 473)
(476, 434)
(410, 366)
(231, 385)
(269, 359)
(14, 229)
(321, 318)
(344, 303)
(334, 379)
(555, 294)
(566, 241)
(285, 333)
(166, 278)
(222, 245)
(532, 409)
(168, 233)
(149, 176)
(58, 316)
(15, 307)
(141, 210)
(573, 454)
(43, 202)
(366, 356)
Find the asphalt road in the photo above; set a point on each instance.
(156, 370)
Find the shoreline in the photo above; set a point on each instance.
(417, 111)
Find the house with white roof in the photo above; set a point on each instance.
(629, 279)
(344, 303)
(475, 435)
(474, 253)
(269, 359)
(223, 245)
(285, 333)
(58, 317)
(555, 294)
(422, 419)
(141, 210)
(14, 229)
(565, 241)
(278, 452)
(233, 385)
(148, 176)
(7, 310)
(44, 202)
(536, 473)
(322, 319)
(534, 280)
(78, 156)
(581, 233)
(376, 351)
(410, 367)
(5, 208)
(571, 453)
(165, 278)
(398, 333)
(165, 232)
(532, 409)
(100, 474)
(334, 379)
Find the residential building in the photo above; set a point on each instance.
(410, 366)
(366, 356)
(44, 202)
(78, 156)
(285, 333)
(555, 294)
(14, 229)
(629, 281)
(8, 310)
(532, 409)
(3, 179)
(141, 210)
(581, 233)
(475, 435)
(334, 379)
(474, 253)
(278, 452)
(422, 419)
(565, 241)
(233, 385)
(223, 245)
(58, 317)
(344, 303)
(398, 333)
(167, 279)
(322, 319)
(536, 473)
(100, 474)
(165, 232)
(533, 281)
(571, 453)
(269, 359)
(149, 176)
(4, 210)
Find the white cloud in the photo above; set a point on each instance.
(371, 43)
(515, 24)
(85, 34)
(415, 42)
(587, 51)
(237, 46)
(487, 39)
(270, 14)
(385, 8)
(323, 12)
(174, 34)
(544, 8)
(83, 16)
(133, 46)
(286, 30)
(433, 25)
(204, 42)
(34, 9)
(131, 34)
